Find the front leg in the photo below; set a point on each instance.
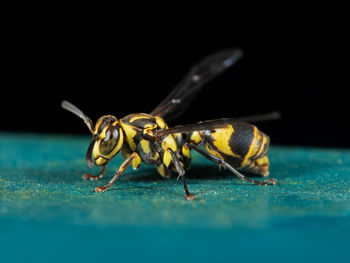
(96, 177)
(121, 169)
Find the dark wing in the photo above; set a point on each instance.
(215, 124)
(200, 74)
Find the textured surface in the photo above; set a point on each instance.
(49, 213)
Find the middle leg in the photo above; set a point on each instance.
(181, 172)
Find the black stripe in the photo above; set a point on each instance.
(241, 138)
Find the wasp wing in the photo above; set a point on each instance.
(200, 74)
(215, 124)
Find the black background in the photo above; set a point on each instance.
(120, 67)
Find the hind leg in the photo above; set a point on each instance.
(222, 162)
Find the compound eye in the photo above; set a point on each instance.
(112, 133)
(109, 141)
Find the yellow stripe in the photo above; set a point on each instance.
(252, 148)
(97, 126)
(130, 134)
(169, 142)
(167, 158)
(155, 157)
(222, 138)
(140, 116)
(264, 141)
(161, 169)
(96, 150)
(186, 151)
(145, 146)
(161, 123)
(213, 152)
(195, 137)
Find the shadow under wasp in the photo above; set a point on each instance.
(231, 143)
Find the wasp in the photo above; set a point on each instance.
(235, 144)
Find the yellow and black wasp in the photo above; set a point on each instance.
(231, 143)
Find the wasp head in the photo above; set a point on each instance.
(107, 136)
(107, 140)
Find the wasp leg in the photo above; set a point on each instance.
(221, 162)
(181, 172)
(96, 177)
(121, 169)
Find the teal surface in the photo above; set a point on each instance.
(48, 213)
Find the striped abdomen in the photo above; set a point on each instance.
(242, 145)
